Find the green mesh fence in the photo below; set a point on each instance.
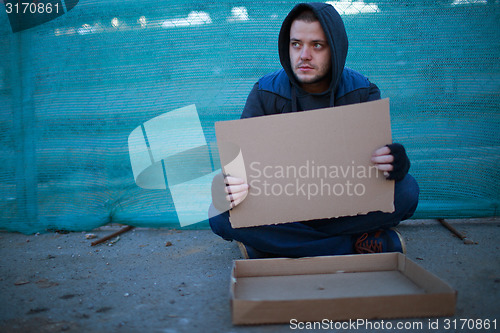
(73, 89)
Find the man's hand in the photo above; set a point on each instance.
(236, 189)
(227, 192)
(382, 158)
(392, 160)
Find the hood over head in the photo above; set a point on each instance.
(334, 29)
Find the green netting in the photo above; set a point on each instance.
(74, 88)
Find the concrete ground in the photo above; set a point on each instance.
(158, 280)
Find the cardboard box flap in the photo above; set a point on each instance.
(317, 265)
(425, 279)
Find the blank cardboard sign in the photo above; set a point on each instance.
(308, 165)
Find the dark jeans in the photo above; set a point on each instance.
(319, 237)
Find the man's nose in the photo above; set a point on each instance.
(305, 53)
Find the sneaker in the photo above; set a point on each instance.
(249, 252)
(380, 241)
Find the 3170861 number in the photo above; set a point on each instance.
(31, 8)
(470, 324)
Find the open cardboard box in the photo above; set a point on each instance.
(369, 286)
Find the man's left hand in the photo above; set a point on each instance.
(392, 160)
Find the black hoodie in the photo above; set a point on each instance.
(279, 92)
(334, 30)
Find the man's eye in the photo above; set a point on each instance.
(318, 46)
(295, 44)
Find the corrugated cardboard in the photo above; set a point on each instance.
(308, 165)
(370, 286)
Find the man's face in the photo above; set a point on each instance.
(310, 56)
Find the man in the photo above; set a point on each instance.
(313, 49)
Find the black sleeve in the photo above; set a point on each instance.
(374, 92)
(401, 163)
(253, 106)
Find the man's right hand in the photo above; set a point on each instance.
(228, 192)
(236, 189)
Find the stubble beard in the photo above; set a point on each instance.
(322, 77)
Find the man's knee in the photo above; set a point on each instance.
(406, 196)
(219, 222)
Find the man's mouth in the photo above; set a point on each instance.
(305, 67)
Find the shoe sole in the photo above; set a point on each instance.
(243, 250)
(401, 240)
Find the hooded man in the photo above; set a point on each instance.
(313, 49)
